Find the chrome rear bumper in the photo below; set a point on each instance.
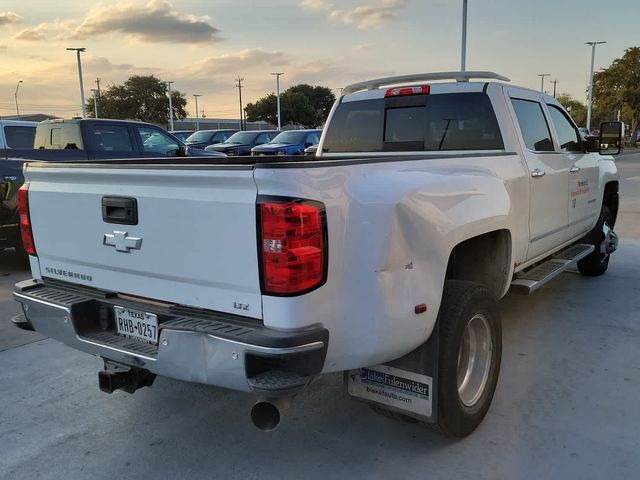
(195, 346)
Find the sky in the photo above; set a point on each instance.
(203, 46)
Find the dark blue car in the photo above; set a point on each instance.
(292, 142)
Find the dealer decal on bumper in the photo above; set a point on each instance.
(393, 387)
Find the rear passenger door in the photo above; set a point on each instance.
(548, 174)
(584, 207)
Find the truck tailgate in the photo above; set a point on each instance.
(194, 242)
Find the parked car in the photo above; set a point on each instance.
(181, 135)
(291, 142)
(204, 138)
(87, 139)
(75, 139)
(14, 134)
(241, 143)
(384, 258)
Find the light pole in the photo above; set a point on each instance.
(542, 75)
(95, 102)
(239, 87)
(78, 51)
(555, 82)
(590, 96)
(463, 53)
(16, 97)
(197, 122)
(171, 105)
(277, 74)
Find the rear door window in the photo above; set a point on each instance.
(533, 125)
(457, 121)
(109, 139)
(19, 136)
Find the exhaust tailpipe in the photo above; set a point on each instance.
(266, 413)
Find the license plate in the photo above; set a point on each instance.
(136, 324)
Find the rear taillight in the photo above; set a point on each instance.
(403, 91)
(293, 245)
(25, 221)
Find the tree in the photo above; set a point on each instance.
(301, 105)
(618, 88)
(139, 98)
(577, 109)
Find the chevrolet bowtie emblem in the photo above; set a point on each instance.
(122, 241)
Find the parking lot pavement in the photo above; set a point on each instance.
(565, 406)
(12, 269)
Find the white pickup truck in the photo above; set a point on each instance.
(383, 257)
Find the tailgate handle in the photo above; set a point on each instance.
(120, 210)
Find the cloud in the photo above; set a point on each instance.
(104, 66)
(3, 47)
(229, 64)
(321, 5)
(43, 31)
(7, 18)
(157, 21)
(34, 34)
(363, 16)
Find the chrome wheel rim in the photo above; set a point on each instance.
(474, 360)
(609, 241)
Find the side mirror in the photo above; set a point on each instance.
(610, 138)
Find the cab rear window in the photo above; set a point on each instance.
(456, 121)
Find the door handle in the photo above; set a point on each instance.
(574, 169)
(537, 173)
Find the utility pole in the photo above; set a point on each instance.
(463, 53)
(98, 79)
(239, 87)
(95, 102)
(590, 96)
(16, 97)
(542, 75)
(555, 82)
(78, 52)
(171, 105)
(277, 74)
(196, 95)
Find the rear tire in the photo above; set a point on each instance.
(596, 263)
(469, 356)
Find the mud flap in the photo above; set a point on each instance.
(407, 385)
